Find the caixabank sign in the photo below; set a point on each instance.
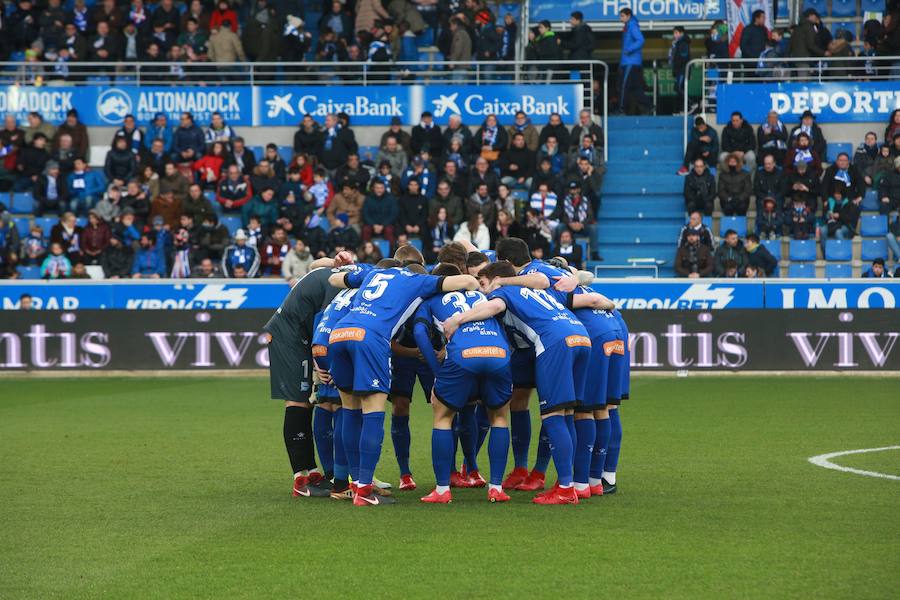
(734, 340)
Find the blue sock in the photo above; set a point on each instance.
(520, 432)
(370, 445)
(442, 454)
(352, 428)
(587, 434)
(323, 432)
(468, 436)
(598, 457)
(341, 470)
(484, 425)
(454, 428)
(570, 425)
(498, 453)
(615, 441)
(560, 448)
(401, 438)
(543, 451)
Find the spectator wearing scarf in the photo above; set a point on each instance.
(842, 173)
(522, 124)
(771, 138)
(490, 139)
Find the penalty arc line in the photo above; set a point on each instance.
(823, 460)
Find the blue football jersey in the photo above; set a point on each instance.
(597, 322)
(540, 317)
(333, 313)
(484, 336)
(539, 266)
(386, 299)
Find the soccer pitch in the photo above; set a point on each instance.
(180, 488)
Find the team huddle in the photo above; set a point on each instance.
(480, 332)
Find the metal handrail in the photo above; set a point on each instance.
(746, 70)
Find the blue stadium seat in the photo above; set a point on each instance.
(22, 203)
(802, 250)
(783, 10)
(820, 6)
(231, 223)
(23, 224)
(416, 242)
(383, 246)
(286, 153)
(843, 8)
(258, 151)
(872, 6)
(802, 270)
(46, 224)
(368, 153)
(847, 25)
(838, 270)
(872, 249)
(774, 247)
(707, 221)
(835, 149)
(81, 221)
(425, 38)
(873, 225)
(838, 250)
(513, 8)
(29, 272)
(739, 224)
(870, 200)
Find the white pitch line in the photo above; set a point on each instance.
(824, 460)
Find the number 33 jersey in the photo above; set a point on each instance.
(472, 340)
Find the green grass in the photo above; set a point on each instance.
(179, 488)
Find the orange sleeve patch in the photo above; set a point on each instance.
(578, 340)
(355, 334)
(614, 347)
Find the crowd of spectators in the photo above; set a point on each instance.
(796, 193)
(155, 208)
(195, 33)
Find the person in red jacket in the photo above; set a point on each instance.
(223, 13)
(208, 170)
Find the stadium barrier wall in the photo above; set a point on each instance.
(628, 294)
(732, 340)
(285, 105)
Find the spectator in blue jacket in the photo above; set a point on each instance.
(630, 75)
(704, 143)
(159, 130)
(85, 186)
(379, 213)
(148, 263)
(188, 141)
(877, 270)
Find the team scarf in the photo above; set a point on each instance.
(440, 234)
(587, 153)
(489, 136)
(842, 175)
(331, 135)
(521, 128)
(803, 155)
(576, 211)
(181, 266)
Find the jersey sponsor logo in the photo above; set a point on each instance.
(319, 350)
(578, 340)
(484, 352)
(614, 347)
(355, 334)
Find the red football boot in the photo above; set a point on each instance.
(476, 480)
(300, 486)
(364, 496)
(435, 498)
(458, 481)
(532, 483)
(558, 496)
(583, 494)
(551, 490)
(407, 483)
(497, 496)
(597, 490)
(516, 477)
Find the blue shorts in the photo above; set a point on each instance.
(561, 372)
(405, 372)
(462, 380)
(596, 388)
(522, 366)
(325, 392)
(620, 368)
(360, 361)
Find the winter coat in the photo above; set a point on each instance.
(725, 252)
(225, 46)
(699, 189)
(697, 258)
(632, 44)
(413, 210)
(560, 132)
(738, 140)
(380, 210)
(83, 185)
(817, 139)
(308, 142)
(769, 184)
(336, 149)
(889, 186)
(427, 139)
(267, 212)
(753, 41)
(120, 164)
(735, 184)
(762, 259)
(455, 211)
(864, 162)
(579, 42)
(80, 141)
(460, 48)
(170, 212)
(176, 183)
(772, 142)
(296, 265)
(857, 185)
(351, 205)
(523, 158)
(532, 137)
(397, 159)
(804, 43)
(189, 137)
(116, 261)
(197, 208)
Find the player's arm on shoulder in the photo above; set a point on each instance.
(592, 300)
(569, 282)
(535, 281)
(342, 258)
(479, 312)
(584, 277)
(453, 283)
